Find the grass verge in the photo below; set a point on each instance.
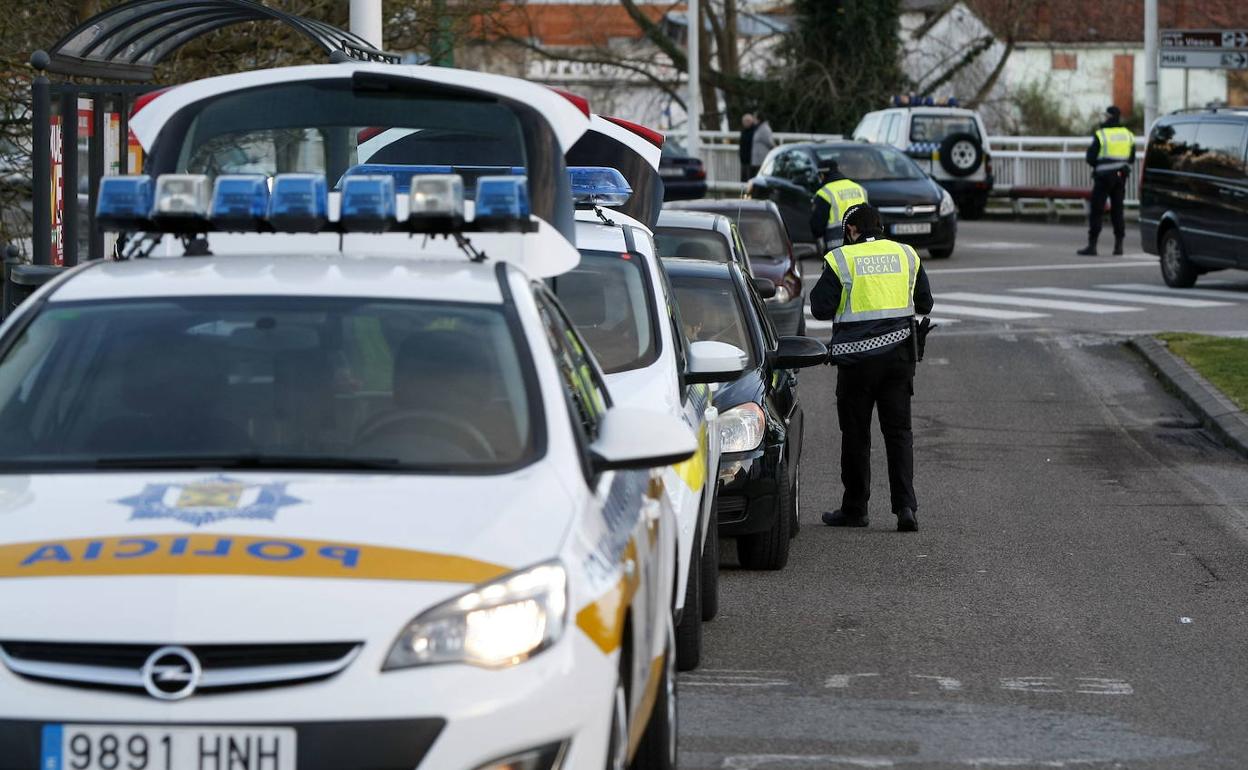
(1221, 360)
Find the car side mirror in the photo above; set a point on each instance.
(640, 438)
(758, 188)
(765, 287)
(798, 353)
(710, 361)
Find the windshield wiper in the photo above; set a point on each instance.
(278, 462)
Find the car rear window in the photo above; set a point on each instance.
(710, 309)
(267, 382)
(1171, 146)
(692, 243)
(934, 128)
(1220, 150)
(609, 299)
(763, 234)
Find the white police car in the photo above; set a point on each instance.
(331, 498)
(619, 299)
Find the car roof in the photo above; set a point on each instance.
(593, 233)
(694, 220)
(699, 268)
(294, 275)
(1220, 112)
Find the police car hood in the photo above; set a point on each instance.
(242, 556)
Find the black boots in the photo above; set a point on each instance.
(1089, 250)
(1117, 246)
(906, 522)
(839, 518)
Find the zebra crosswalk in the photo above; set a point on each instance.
(1031, 303)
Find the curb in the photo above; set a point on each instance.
(1217, 412)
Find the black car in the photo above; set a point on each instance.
(766, 239)
(760, 416)
(1194, 194)
(915, 209)
(684, 176)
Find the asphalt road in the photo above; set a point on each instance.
(1078, 592)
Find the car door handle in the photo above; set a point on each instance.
(1237, 193)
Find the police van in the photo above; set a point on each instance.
(319, 474)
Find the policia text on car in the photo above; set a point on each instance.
(1111, 155)
(871, 288)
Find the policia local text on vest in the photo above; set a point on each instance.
(1111, 156)
(871, 288)
(827, 209)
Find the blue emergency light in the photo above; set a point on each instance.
(501, 200)
(299, 203)
(239, 201)
(367, 203)
(125, 202)
(402, 173)
(598, 186)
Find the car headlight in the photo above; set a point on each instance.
(782, 294)
(741, 428)
(947, 206)
(495, 625)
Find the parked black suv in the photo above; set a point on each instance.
(1194, 193)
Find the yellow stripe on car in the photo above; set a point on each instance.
(646, 707)
(693, 470)
(602, 620)
(236, 555)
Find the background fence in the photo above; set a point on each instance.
(1027, 163)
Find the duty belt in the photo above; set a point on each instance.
(869, 344)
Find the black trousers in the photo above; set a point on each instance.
(886, 382)
(1114, 187)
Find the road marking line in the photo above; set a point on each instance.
(1046, 268)
(1089, 685)
(1046, 304)
(1029, 684)
(1142, 299)
(841, 681)
(947, 683)
(759, 761)
(1148, 288)
(988, 312)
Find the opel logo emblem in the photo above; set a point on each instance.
(909, 211)
(171, 673)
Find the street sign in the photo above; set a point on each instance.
(1214, 60)
(1204, 39)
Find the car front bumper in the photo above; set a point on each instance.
(457, 717)
(786, 316)
(747, 490)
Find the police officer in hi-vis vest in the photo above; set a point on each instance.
(872, 288)
(831, 202)
(1111, 155)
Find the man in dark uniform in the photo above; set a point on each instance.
(872, 288)
(1111, 155)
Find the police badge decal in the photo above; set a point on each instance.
(209, 500)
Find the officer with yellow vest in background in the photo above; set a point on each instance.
(1111, 155)
(872, 288)
(830, 203)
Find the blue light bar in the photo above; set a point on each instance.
(367, 202)
(598, 186)
(299, 203)
(502, 200)
(402, 173)
(239, 201)
(125, 202)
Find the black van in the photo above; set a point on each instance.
(1194, 193)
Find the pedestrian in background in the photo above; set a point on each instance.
(762, 144)
(1111, 155)
(871, 289)
(745, 147)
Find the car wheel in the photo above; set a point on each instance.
(617, 746)
(710, 568)
(961, 154)
(1176, 269)
(769, 550)
(658, 750)
(689, 630)
(941, 253)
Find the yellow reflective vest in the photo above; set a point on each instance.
(877, 285)
(1116, 144)
(840, 195)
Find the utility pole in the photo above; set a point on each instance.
(1150, 64)
(694, 109)
(366, 21)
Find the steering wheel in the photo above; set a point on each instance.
(463, 433)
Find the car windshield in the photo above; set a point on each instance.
(608, 298)
(693, 243)
(283, 382)
(711, 310)
(763, 233)
(934, 128)
(864, 163)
